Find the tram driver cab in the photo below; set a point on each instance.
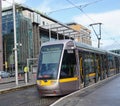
(57, 68)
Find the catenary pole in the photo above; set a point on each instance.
(97, 35)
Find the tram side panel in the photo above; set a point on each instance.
(89, 68)
(93, 65)
(69, 77)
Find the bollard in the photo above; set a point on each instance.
(19, 76)
(0, 78)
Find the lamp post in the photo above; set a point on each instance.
(15, 44)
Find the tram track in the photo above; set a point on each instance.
(47, 101)
(26, 97)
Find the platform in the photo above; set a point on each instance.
(104, 93)
(9, 84)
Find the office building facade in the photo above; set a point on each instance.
(33, 28)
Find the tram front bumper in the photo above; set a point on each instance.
(50, 88)
(43, 91)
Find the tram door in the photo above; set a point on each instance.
(117, 65)
(103, 68)
(88, 67)
(112, 67)
(68, 74)
(84, 67)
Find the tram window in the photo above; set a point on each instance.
(49, 61)
(89, 63)
(68, 67)
(111, 62)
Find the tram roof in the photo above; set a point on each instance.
(112, 53)
(79, 45)
(87, 47)
(56, 42)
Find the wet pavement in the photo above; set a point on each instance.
(23, 94)
(9, 84)
(104, 93)
(25, 97)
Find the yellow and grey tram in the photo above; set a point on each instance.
(65, 65)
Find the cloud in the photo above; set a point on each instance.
(110, 24)
(45, 6)
(9, 2)
(49, 6)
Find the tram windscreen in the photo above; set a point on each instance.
(49, 61)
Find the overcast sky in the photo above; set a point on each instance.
(106, 12)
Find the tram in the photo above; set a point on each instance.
(65, 65)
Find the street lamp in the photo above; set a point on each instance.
(15, 43)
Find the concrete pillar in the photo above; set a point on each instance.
(1, 44)
(36, 40)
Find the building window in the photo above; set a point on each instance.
(43, 22)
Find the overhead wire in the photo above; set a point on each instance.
(63, 9)
(81, 7)
(91, 3)
(85, 13)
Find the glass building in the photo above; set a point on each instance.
(24, 39)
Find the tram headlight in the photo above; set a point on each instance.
(38, 82)
(46, 82)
